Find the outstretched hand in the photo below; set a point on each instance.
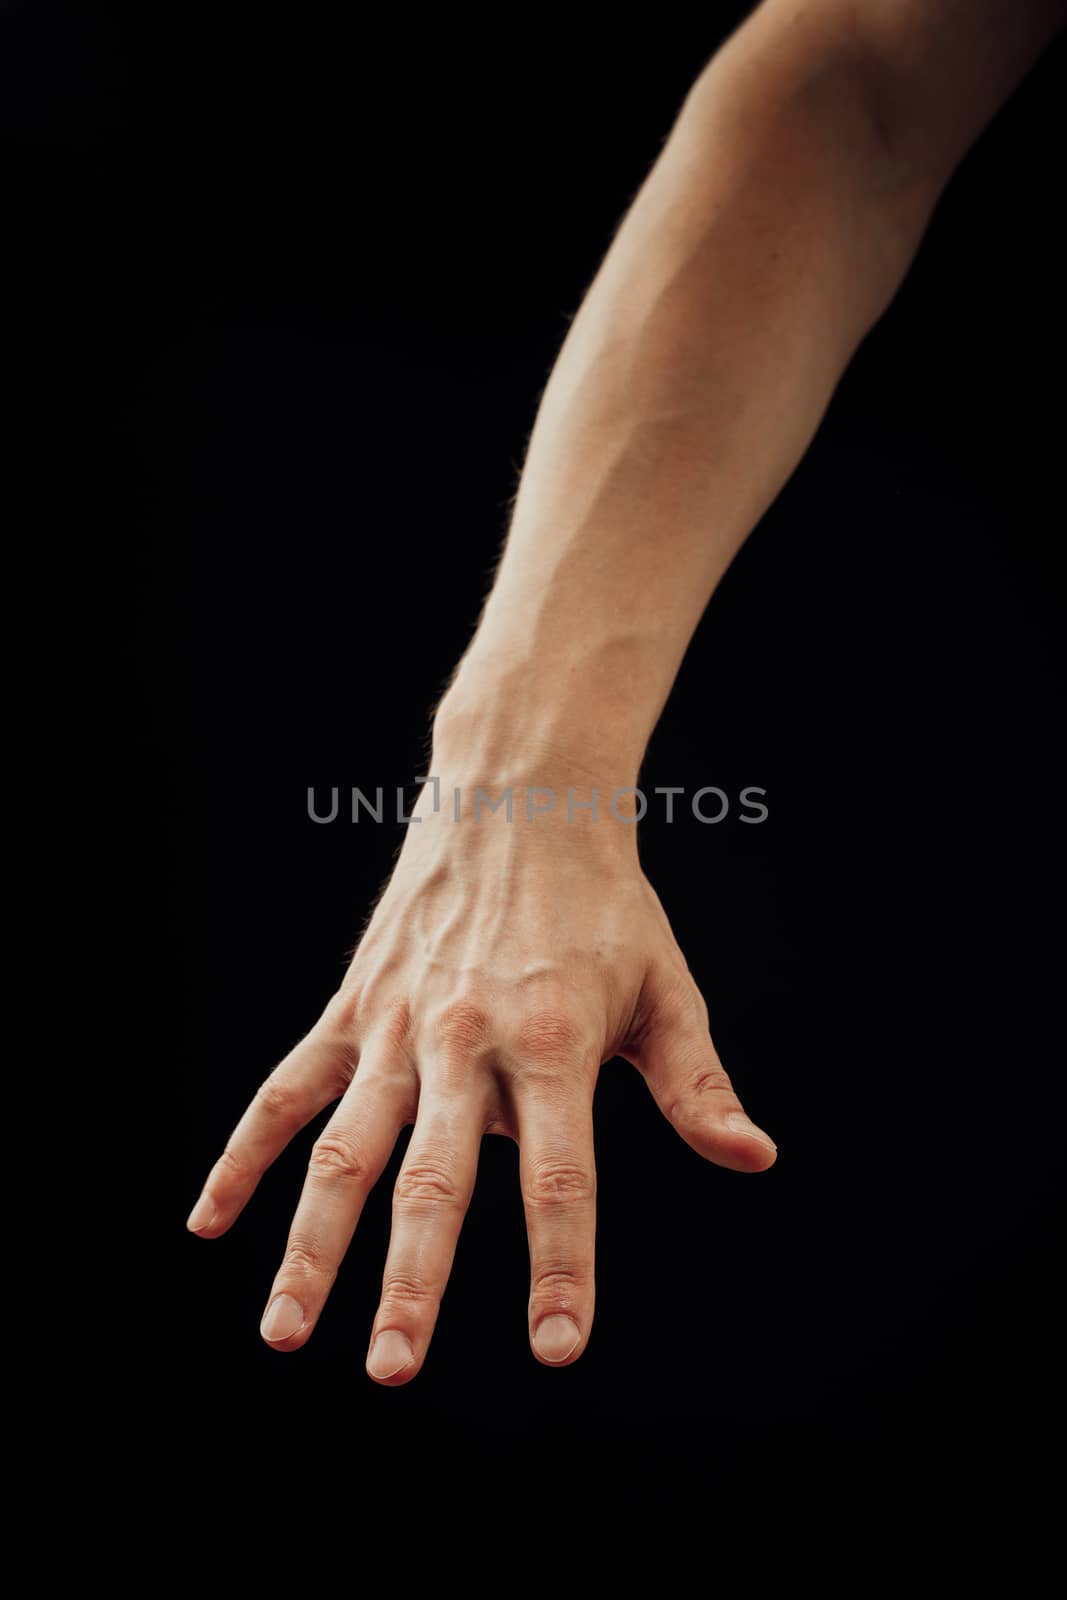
(504, 963)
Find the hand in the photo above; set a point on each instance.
(503, 965)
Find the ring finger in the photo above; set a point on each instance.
(433, 1191)
(348, 1159)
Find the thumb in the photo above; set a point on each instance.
(681, 1066)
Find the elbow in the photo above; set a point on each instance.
(816, 126)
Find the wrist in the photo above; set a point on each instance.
(531, 772)
(543, 720)
(487, 741)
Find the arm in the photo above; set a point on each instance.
(506, 962)
(772, 232)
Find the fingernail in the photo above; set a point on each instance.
(556, 1338)
(737, 1122)
(390, 1352)
(282, 1318)
(202, 1215)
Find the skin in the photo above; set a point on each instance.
(506, 962)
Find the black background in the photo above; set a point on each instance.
(297, 285)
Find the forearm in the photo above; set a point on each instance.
(767, 239)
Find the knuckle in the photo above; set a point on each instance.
(304, 1258)
(336, 1158)
(462, 1028)
(342, 1068)
(329, 1050)
(278, 1099)
(343, 1011)
(708, 1081)
(427, 1182)
(704, 1084)
(554, 1182)
(550, 1037)
(558, 1286)
(235, 1163)
(405, 1291)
